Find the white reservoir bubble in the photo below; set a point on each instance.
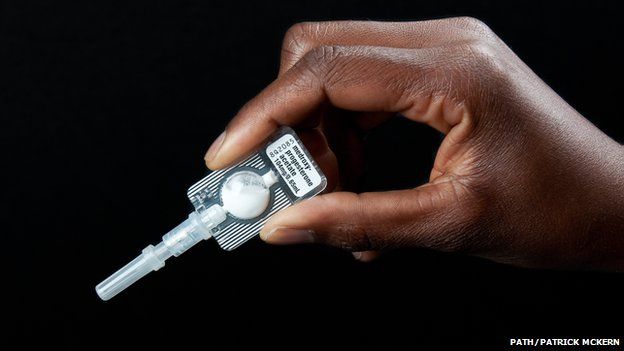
(245, 195)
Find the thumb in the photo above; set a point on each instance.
(436, 215)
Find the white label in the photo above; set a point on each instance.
(293, 165)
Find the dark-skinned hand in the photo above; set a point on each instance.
(520, 177)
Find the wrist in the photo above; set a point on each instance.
(605, 235)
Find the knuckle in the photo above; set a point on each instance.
(324, 54)
(479, 56)
(473, 29)
(484, 64)
(473, 24)
(301, 37)
(482, 51)
(320, 60)
(295, 38)
(349, 230)
(350, 237)
(458, 227)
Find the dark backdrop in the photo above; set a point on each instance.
(106, 110)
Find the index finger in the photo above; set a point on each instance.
(353, 78)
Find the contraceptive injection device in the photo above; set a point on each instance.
(232, 205)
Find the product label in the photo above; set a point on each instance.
(293, 165)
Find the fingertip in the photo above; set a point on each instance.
(288, 217)
(211, 165)
(225, 151)
(305, 214)
(288, 236)
(214, 149)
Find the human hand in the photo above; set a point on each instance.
(520, 176)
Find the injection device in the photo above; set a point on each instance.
(231, 205)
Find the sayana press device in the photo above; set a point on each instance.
(232, 205)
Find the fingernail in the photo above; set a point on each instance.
(214, 148)
(357, 255)
(284, 236)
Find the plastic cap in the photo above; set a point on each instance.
(188, 233)
(148, 261)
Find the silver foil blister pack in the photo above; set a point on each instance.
(295, 177)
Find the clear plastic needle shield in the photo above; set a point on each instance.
(232, 205)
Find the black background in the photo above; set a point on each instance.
(107, 109)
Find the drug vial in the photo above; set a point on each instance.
(231, 205)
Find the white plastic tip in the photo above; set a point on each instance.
(151, 259)
(188, 233)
